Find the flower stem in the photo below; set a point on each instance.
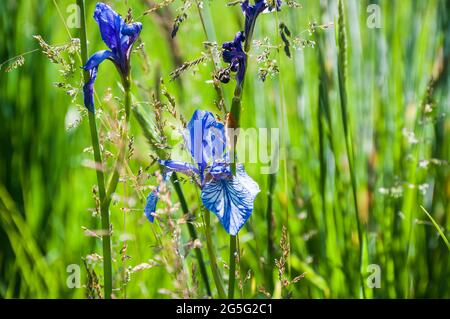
(341, 40)
(104, 212)
(232, 273)
(212, 256)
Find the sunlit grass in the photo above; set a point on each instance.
(365, 179)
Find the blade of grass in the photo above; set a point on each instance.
(342, 76)
(438, 228)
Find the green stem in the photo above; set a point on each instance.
(342, 79)
(232, 273)
(212, 256)
(104, 212)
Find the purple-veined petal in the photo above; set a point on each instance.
(180, 167)
(247, 181)
(110, 24)
(231, 200)
(220, 170)
(97, 58)
(152, 199)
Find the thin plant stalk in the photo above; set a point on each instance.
(104, 212)
(232, 276)
(212, 256)
(342, 76)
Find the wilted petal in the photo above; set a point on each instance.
(234, 55)
(231, 200)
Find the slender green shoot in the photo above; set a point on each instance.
(104, 211)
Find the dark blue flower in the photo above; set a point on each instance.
(230, 197)
(252, 12)
(233, 53)
(235, 56)
(119, 37)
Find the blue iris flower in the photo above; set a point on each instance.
(119, 37)
(233, 53)
(252, 12)
(230, 197)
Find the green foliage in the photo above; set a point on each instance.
(366, 179)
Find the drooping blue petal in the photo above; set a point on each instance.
(180, 167)
(234, 55)
(205, 139)
(88, 90)
(92, 66)
(231, 199)
(150, 206)
(97, 58)
(152, 199)
(110, 24)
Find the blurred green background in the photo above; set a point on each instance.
(398, 104)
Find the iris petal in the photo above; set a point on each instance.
(181, 167)
(152, 199)
(88, 90)
(231, 200)
(150, 206)
(92, 66)
(220, 170)
(110, 24)
(205, 139)
(130, 34)
(97, 58)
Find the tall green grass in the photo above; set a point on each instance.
(365, 134)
